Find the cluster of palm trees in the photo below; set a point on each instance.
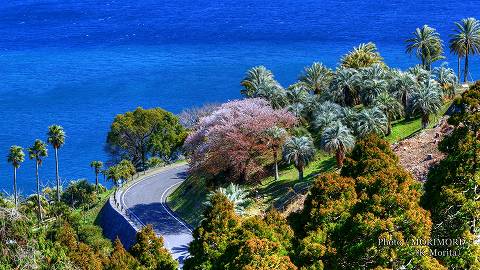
(428, 47)
(120, 172)
(339, 106)
(37, 152)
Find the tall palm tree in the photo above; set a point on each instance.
(427, 46)
(56, 137)
(16, 156)
(457, 49)
(466, 41)
(300, 150)
(371, 120)
(446, 78)
(316, 78)
(427, 100)
(38, 151)
(390, 106)
(97, 167)
(338, 139)
(276, 136)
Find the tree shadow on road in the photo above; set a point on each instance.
(161, 220)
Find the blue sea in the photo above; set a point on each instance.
(80, 63)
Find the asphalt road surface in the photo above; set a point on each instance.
(147, 201)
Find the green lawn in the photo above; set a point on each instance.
(404, 128)
(187, 200)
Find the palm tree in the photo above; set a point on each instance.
(421, 75)
(56, 137)
(345, 86)
(426, 100)
(466, 41)
(457, 49)
(326, 114)
(300, 150)
(316, 78)
(403, 86)
(127, 169)
(276, 136)
(297, 93)
(259, 82)
(97, 166)
(114, 173)
(338, 139)
(16, 156)
(390, 106)
(234, 193)
(446, 78)
(256, 80)
(365, 55)
(371, 88)
(427, 46)
(37, 152)
(371, 120)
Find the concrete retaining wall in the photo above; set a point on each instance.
(116, 225)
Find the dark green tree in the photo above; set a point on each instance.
(150, 252)
(145, 132)
(120, 259)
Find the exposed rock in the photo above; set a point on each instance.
(420, 152)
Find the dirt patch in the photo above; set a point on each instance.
(418, 153)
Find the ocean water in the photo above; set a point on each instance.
(79, 63)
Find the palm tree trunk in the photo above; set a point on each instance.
(15, 185)
(459, 61)
(38, 193)
(96, 181)
(425, 120)
(276, 164)
(465, 74)
(300, 173)
(56, 173)
(340, 156)
(389, 126)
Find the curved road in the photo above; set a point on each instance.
(146, 201)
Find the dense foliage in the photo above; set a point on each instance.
(66, 240)
(452, 193)
(233, 142)
(143, 133)
(226, 241)
(347, 217)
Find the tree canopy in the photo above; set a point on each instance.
(232, 141)
(143, 133)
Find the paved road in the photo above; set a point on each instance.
(146, 200)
